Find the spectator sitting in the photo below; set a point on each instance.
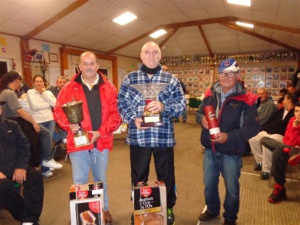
(275, 129)
(266, 107)
(282, 93)
(35, 133)
(14, 171)
(60, 83)
(285, 152)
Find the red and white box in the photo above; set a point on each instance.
(86, 204)
(150, 203)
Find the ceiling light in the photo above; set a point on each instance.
(240, 2)
(249, 25)
(158, 33)
(125, 18)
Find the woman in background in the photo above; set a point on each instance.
(41, 102)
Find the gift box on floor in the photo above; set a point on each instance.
(86, 203)
(150, 203)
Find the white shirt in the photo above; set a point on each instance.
(40, 105)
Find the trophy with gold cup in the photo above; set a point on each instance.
(150, 92)
(74, 113)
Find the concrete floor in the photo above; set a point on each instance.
(188, 159)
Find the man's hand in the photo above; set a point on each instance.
(36, 127)
(155, 106)
(74, 128)
(95, 136)
(2, 175)
(204, 122)
(138, 122)
(220, 138)
(19, 175)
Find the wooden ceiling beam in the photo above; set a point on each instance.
(271, 26)
(55, 18)
(237, 28)
(168, 37)
(206, 41)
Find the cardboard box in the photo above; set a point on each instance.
(86, 204)
(150, 203)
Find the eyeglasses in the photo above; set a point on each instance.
(229, 75)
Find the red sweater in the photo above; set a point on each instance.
(292, 134)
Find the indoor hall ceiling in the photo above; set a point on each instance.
(195, 27)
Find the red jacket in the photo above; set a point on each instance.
(111, 120)
(292, 134)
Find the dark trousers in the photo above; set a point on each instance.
(140, 158)
(29, 207)
(279, 158)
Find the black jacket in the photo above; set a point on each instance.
(14, 148)
(237, 117)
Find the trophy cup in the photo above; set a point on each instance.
(74, 113)
(150, 92)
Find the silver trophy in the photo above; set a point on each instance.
(74, 113)
(150, 92)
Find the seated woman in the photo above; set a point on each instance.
(284, 153)
(40, 101)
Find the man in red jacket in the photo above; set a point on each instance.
(100, 120)
(284, 153)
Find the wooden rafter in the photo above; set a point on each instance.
(168, 37)
(237, 28)
(205, 40)
(55, 18)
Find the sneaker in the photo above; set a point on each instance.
(207, 216)
(229, 222)
(107, 218)
(170, 217)
(294, 159)
(47, 174)
(257, 166)
(264, 176)
(51, 169)
(30, 223)
(278, 194)
(52, 164)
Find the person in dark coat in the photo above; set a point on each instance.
(14, 171)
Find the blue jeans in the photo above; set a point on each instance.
(59, 134)
(46, 135)
(81, 163)
(229, 166)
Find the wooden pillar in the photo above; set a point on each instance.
(24, 47)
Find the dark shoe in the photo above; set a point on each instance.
(257, 166)
(170, 217)
(264, 176)
(277, 195)
(107, 218)
(229, 222)
(207, 216)
(176, 120)
(294, 159)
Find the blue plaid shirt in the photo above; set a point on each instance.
(131, 105)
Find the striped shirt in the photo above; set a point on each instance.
(131, 105)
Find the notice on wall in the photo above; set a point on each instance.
(54, 72)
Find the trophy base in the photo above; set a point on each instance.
(152, 121)
(81, 138)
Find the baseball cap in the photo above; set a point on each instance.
(228, 65)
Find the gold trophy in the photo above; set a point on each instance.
(150, 92)
(74, 113)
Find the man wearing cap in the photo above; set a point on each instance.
(34, 132)
(14, 171)
(237, 119)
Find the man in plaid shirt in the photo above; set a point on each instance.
(157, 140)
